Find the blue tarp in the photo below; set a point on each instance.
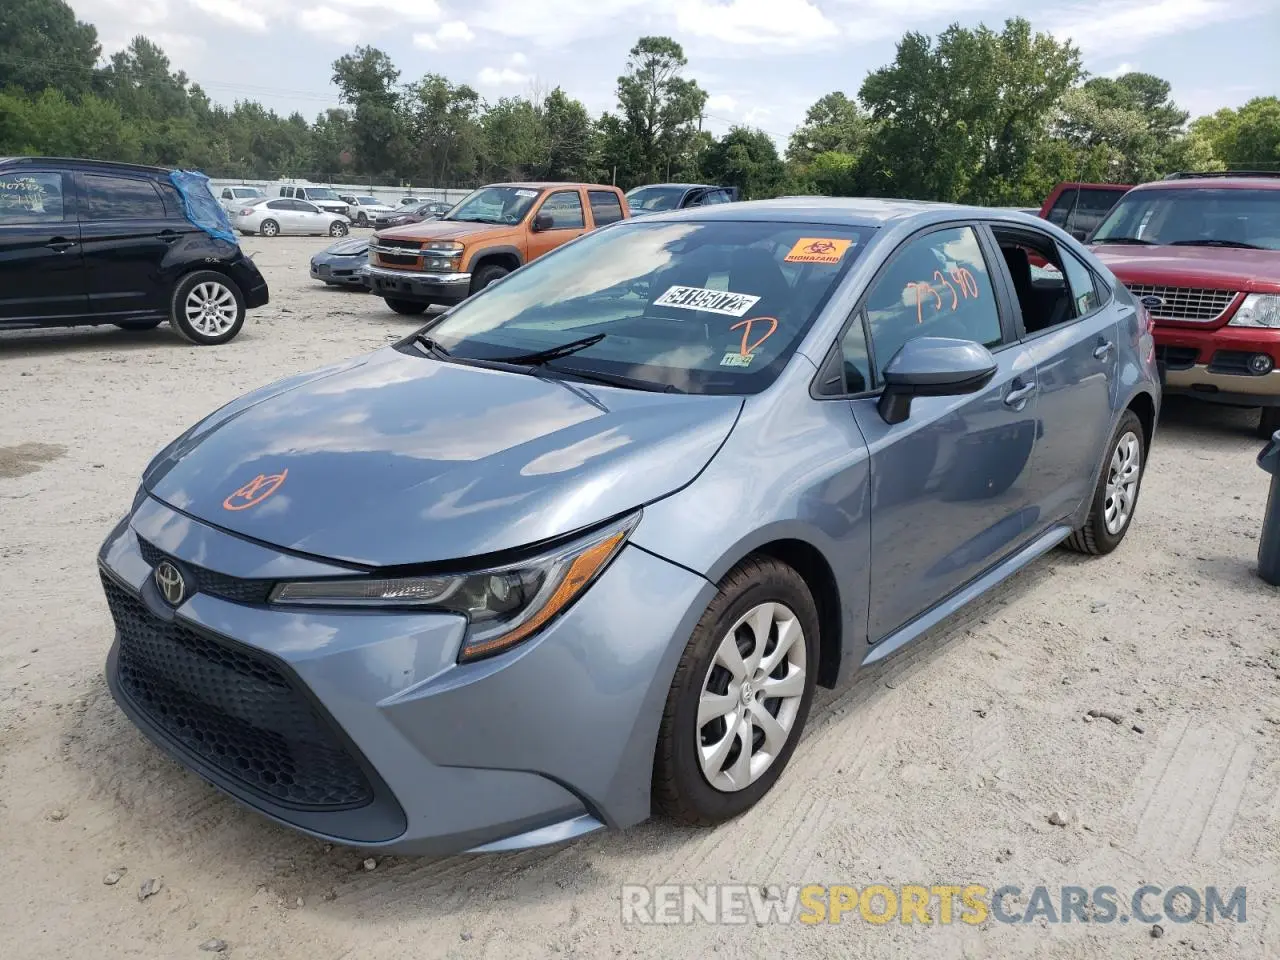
(200, 206)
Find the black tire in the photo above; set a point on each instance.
(338, 229)
(487, 275)
(139, 324)
(1094, 538)
(178, 305)
(680, 788)
(1269, 422)
(408, 307)
(269, 228)
(362, 220)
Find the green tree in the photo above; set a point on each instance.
(1243, 139)
(835, 124)
(442, 122)
(570, 139)
(658, 114)
(515, 140)
(366, 80)
(747, 159)
(43, 45)
(961, 120)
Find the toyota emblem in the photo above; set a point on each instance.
(169, 579)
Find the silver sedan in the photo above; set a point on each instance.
(283, 215)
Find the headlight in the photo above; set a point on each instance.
(504, 605)
(441, 256)
(1258, 310)
(447, 247)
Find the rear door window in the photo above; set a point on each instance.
(605, 207)
(31, 197)
(121, 198)
(1084, 294)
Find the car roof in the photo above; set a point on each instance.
(545, 184)
(1216, 183)
(683, 186)
(82, 162)
(837, 211)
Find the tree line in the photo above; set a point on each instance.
(973, 115)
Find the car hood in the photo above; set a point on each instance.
(1222, 268)
(443, 230)
(347, 247)
(400, 459)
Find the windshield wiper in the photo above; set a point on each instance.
(432, 347)
(539, 357)
(472, 219)
(1239, 244)
(617, 380)
(1148, 243)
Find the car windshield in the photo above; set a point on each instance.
(654, 199)
(495, 205)
(320, 193)
(1193, 216)
(367, 201)
(703, 307)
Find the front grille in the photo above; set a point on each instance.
(232, 708)
(415, 245)
(1235, 362)
(1190, 304)
(1177, 358)
(235, 589)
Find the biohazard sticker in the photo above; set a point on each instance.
(817, 250)
(734, 359)
(707, 301)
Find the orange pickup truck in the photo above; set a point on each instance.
(493, 231)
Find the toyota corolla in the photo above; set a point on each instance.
(580, 549)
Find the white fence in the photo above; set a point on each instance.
(389, 195)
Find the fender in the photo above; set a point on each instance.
(487, 251)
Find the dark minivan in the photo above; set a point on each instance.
(92, 242)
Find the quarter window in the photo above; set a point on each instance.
(936, 285)
(565, 208)
(121, 198)
(30, 198)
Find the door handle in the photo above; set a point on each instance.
(1017, 397)
(1100, 352)
(59, 245)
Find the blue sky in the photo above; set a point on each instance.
(763, 61)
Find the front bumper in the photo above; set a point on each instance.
(1242, 390)
(546, 742)
(1213, 364)
(444, 289)
(343, 271)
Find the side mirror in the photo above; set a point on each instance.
(543, 221)
(933, 367)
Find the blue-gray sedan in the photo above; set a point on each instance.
(580, 549)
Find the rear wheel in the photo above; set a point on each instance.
(207, 308)
(407, 307)
(269, 228)
(487, 275)
(1269, 422)
(337, 229)
(740, 695)
(1116, 496)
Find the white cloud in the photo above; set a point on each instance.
(425, 41)
(518, 59)
(721, 103)
(503, 77)
(233, 12)
(331, 23)
(454, 31)
(1120, 70)
(1101, 28)
(755, 22)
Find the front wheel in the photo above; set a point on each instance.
(337, 229)
(740, 695)
(1269, 422)
(487, 275)
(1116, 496)
(408, 307)
(362, 220)
(269, 228)
(207, 308)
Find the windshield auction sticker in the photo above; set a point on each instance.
(817, 250)
(707, 301)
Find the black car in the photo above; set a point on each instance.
(91, 242)
(661, 197)
(430, 210)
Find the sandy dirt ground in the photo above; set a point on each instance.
(944, 765)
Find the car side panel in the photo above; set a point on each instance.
(40, 283)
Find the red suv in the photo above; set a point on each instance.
(1202, 253)
(1078, 208)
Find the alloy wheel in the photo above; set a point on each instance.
(751, 696)
(211, 309)
(1122, 482)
